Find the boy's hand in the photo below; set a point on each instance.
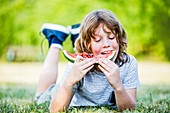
(111, 70)
(80, 67)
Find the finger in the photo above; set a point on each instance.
(79, 58)
(104, 66)
(107, 62)
(88, 63)
(87, 60)
(88, 69)
(103, 70)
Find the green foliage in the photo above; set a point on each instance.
(17, 98)
(160, 24)
(146, 22)
(154, 21)
(5, 21)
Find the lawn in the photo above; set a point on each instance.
(17, 95)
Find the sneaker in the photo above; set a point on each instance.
(74, 31)
(56, 34)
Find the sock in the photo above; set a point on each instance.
(57, 46)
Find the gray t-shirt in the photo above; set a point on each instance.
(94, 89)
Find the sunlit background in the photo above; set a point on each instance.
(145, 21)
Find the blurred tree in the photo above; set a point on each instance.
(146, 22)
(160, 24)
(6, 25)
(154, 29)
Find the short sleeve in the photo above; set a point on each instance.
(66, 73)
(131, 79)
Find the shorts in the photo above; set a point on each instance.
(47, 95)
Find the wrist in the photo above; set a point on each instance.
(119, 87)
(68, 83)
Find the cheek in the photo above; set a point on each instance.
(95, 48)
(115, 45)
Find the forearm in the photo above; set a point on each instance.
(62, 98)
(123, 99)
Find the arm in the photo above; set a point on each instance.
(64, 95)
(62, 98)
(125, 98)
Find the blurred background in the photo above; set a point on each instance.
(145, 21)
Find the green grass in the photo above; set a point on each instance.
(19, 98)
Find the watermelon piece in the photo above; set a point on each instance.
(72, 57)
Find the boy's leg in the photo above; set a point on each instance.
(49, 71)
(56, 35)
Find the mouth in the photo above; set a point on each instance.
(106, 52)
(110, 54)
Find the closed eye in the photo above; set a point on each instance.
(111, 38)
(97, 39)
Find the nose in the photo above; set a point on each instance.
(106, 43)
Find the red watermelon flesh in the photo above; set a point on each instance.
(71, 57)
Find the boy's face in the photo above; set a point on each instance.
(104, 42)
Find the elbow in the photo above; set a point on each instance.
(133, 106)
(55, 110)
(127, 107)
(56, 107)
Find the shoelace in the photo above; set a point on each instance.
(41, 46)
(42, 51)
